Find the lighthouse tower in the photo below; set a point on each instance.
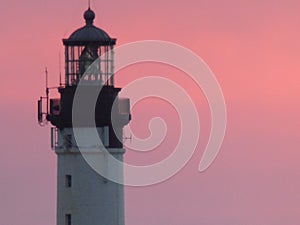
(84, 197)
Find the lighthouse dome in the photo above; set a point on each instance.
(89, 33)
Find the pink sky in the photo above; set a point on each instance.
(254, 50)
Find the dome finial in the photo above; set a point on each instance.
(89, 16)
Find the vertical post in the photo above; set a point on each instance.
(77, 67)
(47, 91)
(72, 66)
(107, 66)
(59, 64)
(67, 64)
(112, 66)
(40, 110)
(100, 69)
(53, 137)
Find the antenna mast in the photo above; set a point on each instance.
(47, 90)
(60, 83)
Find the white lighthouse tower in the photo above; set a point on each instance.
(83, 196)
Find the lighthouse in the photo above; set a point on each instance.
(85, 197)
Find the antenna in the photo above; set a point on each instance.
(60, 69)
(42, 116)
(47, 90)
(46, 73)
(89, 4)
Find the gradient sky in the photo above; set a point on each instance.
(254, 50)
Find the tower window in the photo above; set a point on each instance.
(68, 219)
(68, 181)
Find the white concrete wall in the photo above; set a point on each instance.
(92, 199)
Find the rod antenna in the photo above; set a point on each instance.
(60, 83)
(47, 90)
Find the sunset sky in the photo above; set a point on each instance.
(253, 48)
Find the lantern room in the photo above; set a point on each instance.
(89, 67)
(86, 46)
